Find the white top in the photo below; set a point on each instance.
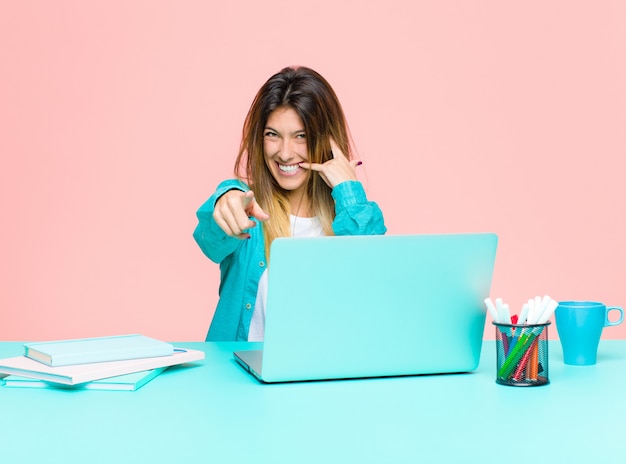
(300, 227)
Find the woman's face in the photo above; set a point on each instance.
(285, 146)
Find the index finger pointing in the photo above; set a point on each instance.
(311, 166)
(335, 150)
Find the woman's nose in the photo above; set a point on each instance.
(286, 150)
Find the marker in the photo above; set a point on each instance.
(523, 314)
(492, 309)
(533, 362)
(514, 319)
(547, 314)
(506, 313)
(538, 309)
(542, 305)
(531, 312)
(500, 311)
(505, 344)
(514, 341)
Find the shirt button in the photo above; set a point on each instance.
(261, 264)
(248, 306)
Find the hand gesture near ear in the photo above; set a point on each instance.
(233, 211)
(336, 170)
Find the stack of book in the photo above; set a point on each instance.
(124, 362)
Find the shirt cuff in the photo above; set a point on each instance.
(350, 192)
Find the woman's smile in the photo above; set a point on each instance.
(290, 169)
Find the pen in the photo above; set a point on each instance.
(547, 313)
(538, 309)
(533, 363)
(512, 344)
(504, 314)
(492, 310)
(507, 312)
(523, 314)
(540, 306)
(505, 343)
(530, 318)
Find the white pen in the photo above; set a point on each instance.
(507, 313)
(547, 314)
(500, 310)
(543, 304)
(523, 314)
(492, 310)
(530, 318)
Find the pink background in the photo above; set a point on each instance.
(118, 118)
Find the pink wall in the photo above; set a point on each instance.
(118, 118)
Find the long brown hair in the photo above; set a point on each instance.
(312, 97)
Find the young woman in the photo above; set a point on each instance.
(295, 178)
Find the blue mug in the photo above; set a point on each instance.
(579, 325)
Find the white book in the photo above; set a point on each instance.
(126, 382)
(99, 349)
(80, 373)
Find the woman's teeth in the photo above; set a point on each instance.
(288, 168)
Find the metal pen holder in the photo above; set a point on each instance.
(522, 354)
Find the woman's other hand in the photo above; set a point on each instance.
(336, 170)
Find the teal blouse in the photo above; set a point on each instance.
(243, 261)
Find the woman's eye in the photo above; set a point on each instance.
(270, 134)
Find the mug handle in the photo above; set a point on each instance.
(621, 316)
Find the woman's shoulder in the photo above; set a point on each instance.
(230, 184)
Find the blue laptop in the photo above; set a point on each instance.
(374, 306)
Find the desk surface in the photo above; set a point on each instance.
(214, 411)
